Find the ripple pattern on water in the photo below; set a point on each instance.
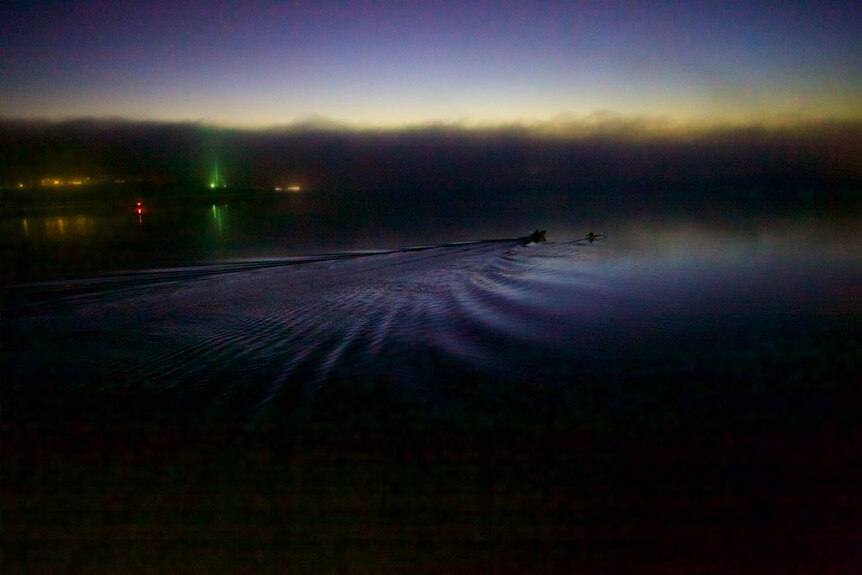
(280, 332)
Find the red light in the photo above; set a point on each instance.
(138, 204)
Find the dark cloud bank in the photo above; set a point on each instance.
(629, 163)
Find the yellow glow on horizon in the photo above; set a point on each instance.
(560, 125)
(681, 117)
(701, 107)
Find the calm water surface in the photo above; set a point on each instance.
(61, 239)
(642, 403)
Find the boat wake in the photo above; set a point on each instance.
(253, 333)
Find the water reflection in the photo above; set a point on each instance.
(55, 229)
(84, 225)
(660, 301)
(675, 240)
(219, 214)
(138, 222)
(50, 228)
(148, 230)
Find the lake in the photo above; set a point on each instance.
(380, 386)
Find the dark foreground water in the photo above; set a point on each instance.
(680, 397)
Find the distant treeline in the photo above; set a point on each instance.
(753, 162)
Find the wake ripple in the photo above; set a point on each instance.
(258, 334)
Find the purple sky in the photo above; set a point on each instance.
(400, 63)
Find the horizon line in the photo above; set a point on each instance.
(561, 125)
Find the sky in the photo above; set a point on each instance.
(396, 64)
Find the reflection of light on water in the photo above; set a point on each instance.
(83, 225)
(25, 225)
(687, 241)
(60, 228)
(217, 212)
